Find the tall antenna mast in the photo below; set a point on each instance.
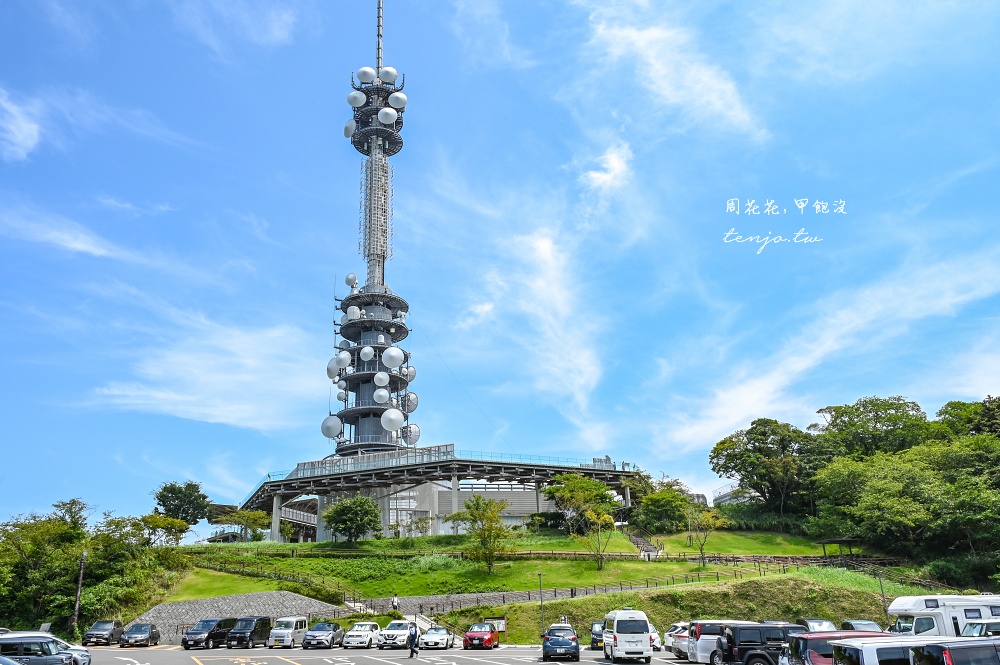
(378, 52)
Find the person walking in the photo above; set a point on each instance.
(395, 602)
(412, 640)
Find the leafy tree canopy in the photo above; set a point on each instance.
(353, 518)
(663, 511)
(574, 495)
(483, 519)
(249, 522)
(182, 501)
(874, 424)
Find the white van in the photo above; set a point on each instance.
(626, 635)
(940, 615)
(287, 632)
(892, 650)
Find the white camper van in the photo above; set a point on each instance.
(940, 615)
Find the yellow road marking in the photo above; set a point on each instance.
(197, 661)
(287, 660)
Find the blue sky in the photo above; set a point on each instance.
(178, 208)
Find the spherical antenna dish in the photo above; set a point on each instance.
(332, 369)
(357, 99)
(393, 356)
(367, 353)
(387, 116)
(388, 74)
(351, 279)
(348, 133)
(381, 379)
(332, 427)
(397, 100)
(366, 74)
(343, 359)
(392, 419)
(381, 396)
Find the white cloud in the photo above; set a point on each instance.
(19, 128)
(257, 378)
(837, 41)
(260, 22)
(126, 206)
(861, 322)
(676, 76)
(480, 26)
(70, 21)
(33, 225)
(614, 172)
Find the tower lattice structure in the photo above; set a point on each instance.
(371, 372)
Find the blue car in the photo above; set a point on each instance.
(560, 641)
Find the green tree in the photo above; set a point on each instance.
(763, 458)
(483, 520)
(874, 424)
(959, 417)
(287, 530)
(353, 518)
(574, 495)
(163, 530)
(597, 539)
(987, 420)
(421, 526)
(251, 523)
(183, 502)
(664, 510)
(703, 524)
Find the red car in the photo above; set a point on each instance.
(481, 636)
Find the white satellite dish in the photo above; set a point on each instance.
(393, 356)
(332, 427)
(348, 133)
(366, 74)
(381, 379)
(343, 359)
(392, 419)
(332, 369)
(351, 279)
(388, 74)
(387, 116)
(397, 100)
(381, 396)
(367, 353)
(357, 99)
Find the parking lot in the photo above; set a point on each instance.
(175, 655)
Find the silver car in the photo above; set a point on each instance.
(81, 656)
(437, 637)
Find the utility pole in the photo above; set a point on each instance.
(541, 600)
(79, 588)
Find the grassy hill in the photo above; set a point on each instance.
(813, 592)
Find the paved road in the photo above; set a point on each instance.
(174, 655)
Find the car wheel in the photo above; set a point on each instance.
(648, 659)
(380, 647)
(270, 646)
(545, 659)
(292, 645)
(186, 647)
(229, 646)
(716, 658)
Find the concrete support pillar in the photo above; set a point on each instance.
(276, 518)
(538, 496)
(454, 499)
(383, 498)
(433, 489)
(323, 535)
(627, 496)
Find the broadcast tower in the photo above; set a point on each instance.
(372, 374)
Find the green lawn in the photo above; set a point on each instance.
(746, 542)
(200, 583)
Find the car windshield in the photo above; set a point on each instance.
(631, 627)
(363, 627)
(560, 632)
(397, 625)
(480, 628)
(103, 625)
(244, 624)
(284, 625)
(437, 630)
(904, 624)
(597, 626)
(139, 628)
(204, 624)
(322, 628)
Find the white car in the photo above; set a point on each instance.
(363, 634)
(437, 637)
(654, 637)
(668, 635)
(394, 635)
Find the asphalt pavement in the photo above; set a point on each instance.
(175, 655)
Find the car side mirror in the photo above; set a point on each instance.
(542, 635)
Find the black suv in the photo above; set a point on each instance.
(208, 633)
(753, 643)
(249, 632)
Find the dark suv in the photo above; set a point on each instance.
(249, 632)
(208, 633)
(106, 632)
(967, 651)
(753, 643)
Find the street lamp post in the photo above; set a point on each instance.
(541, 600)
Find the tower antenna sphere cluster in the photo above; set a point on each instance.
(373, 374)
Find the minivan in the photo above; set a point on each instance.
(815, 648)
(249, 632)
(208, 633)
(34, 651)
(887, 650)
(958, 652)
(287, 631)
(626, 635)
